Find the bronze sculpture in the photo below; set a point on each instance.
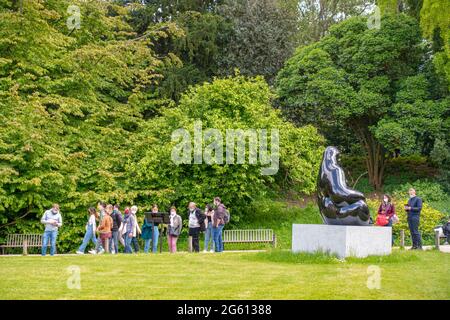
(339, 204)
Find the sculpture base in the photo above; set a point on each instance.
(343, 241)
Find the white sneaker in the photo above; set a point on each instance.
(211, 251)
(205, 251)
(79, 252)
(101, 251)
(92, 252)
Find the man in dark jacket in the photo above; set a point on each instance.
(117, 221)
(413, 209)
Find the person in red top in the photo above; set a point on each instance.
(386, 212)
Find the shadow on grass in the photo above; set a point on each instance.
(284, 256)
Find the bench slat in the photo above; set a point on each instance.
(248, 236)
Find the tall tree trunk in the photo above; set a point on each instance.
(375, 157)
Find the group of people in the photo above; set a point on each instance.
(115, 228)
(387, 216)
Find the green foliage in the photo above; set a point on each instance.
(441, 156)
(261, 38)
(230, 103)
(71, 103)
(436, 26)
(429, 191)
(316, 17)
(367, 81)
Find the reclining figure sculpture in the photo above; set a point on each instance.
(339, 204)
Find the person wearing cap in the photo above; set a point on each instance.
(52, 220)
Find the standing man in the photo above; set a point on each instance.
(218, 223)
(413, 209)
(52, 220)
(196, 219)
(117, 221)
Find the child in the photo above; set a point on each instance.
(90, 231)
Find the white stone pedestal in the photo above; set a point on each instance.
(343, 241)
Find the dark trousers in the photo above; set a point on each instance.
(390, 225)
(413, 224)
(194, 233)
(135, 244)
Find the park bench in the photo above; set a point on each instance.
(250, 236)
(24, 241)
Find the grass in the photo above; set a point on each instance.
(271, 275)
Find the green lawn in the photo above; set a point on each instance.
(270, 275)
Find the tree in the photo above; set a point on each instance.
(262, 36)
(72, 101)
(317, 16)
(436, 27)
(368, 81)
(230, 103)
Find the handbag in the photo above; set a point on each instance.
(123, 228)
(395, 219)
(382, 220)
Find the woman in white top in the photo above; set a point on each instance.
(90, 231)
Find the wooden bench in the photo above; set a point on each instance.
(438, 236)
(24, 241)
(250, 236)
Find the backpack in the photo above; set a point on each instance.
(201, 220)
(226, 216)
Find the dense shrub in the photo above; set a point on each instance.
(429, 191)
(230, 103)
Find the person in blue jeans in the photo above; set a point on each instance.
(90, 231)
(52, 220)
(155, 235)
(147, 233)
(130, 231)
(413, 209)
(209, 211)
(218, 221)
(117, 221)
